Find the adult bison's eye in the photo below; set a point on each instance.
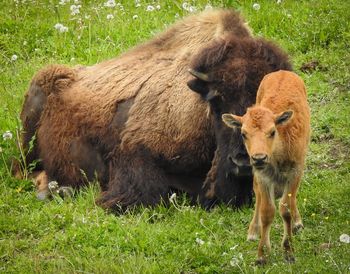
(272, 134)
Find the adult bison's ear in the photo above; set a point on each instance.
(200, 84)
(231, 120)
(283, 117)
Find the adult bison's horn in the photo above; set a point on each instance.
(200, 75)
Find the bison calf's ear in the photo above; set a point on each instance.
(283, 117)
(232, 121)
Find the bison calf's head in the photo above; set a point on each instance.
(259, 130)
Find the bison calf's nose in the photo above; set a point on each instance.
(259, 159)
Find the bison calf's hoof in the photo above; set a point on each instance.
(297, 228)
(261, 261)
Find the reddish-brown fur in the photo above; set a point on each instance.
(276, 132)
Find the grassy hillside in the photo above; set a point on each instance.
(76, 236)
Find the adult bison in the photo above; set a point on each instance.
(134, 123)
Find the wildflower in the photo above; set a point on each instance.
(256, 6)
(110, 16)
(7, 134)
(19, 189)
(110, 4)
(135, 17)
(25, 43)
(344, 238)
(61, 28)
(289, 15)
(158, 7)
(58, 26)
(150, 8)
(199, 241)
(14, 57)
(279, 1)
(289, 195)
(75, 9)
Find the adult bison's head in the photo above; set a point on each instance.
(227, 75)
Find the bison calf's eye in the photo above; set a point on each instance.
(244, 136)
(272, 133)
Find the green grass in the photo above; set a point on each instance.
(76, 236)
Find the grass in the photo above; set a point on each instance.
(76, 236)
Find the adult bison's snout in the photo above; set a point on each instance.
(241, 164)
(259, 160)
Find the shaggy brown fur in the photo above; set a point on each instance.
(276, 132)
(131, 119)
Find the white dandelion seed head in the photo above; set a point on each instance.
(110, 16)
(7, 135)
(199, 241)
(75, 9)
(188, 7)
(135, 17)
(344, 238)
(14, 57)
(63, 29)
(150, 8)
(110, 4)
(58, 26)
(53, 185)
(256, 6)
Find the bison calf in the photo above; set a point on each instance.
(276, 134)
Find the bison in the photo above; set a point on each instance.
(276, 134)
(134, 123)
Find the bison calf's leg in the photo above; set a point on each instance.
(267, 214)
(296, 218)
(254, 227)
(287, 222)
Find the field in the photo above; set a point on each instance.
(75, 236)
